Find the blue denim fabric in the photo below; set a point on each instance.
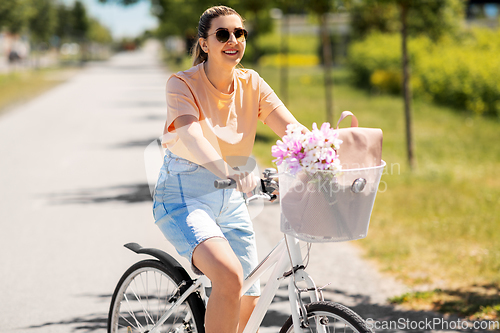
(188, 209)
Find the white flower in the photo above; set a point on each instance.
(294, 131)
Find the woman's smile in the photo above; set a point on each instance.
(231, 51)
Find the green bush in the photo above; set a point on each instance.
(378, 52)
(460, 73)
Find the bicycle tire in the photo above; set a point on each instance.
(344, 319)
(135, 307)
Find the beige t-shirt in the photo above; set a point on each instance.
(228, 121)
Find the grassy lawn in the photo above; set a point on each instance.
(436, 228)
(19, 87)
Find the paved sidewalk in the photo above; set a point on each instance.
(74, 190)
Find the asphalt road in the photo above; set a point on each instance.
(74, 189)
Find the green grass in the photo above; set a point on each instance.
(297, 44)
(439, 225)
(176, 63)
(473, 303)
(21, 86)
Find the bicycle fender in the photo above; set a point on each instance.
(164, 257)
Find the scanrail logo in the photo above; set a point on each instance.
(431, 324)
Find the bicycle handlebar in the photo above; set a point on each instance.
(225, 183)
(268, 188)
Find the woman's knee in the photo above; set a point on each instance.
(228, 277)
(217, 261)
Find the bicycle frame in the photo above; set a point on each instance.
(287, 249)
(280, 258)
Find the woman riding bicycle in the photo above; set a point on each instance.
(212, 115)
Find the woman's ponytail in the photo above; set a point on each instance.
(199, 55)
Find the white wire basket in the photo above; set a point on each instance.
(328, 207)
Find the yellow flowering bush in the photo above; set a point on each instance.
(294, 60)
(463, 73)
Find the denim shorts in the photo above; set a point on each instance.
(188, 209)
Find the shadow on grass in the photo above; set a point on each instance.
(474, 302)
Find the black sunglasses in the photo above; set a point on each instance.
(223, 35)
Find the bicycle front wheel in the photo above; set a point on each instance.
(145, 292)
(328, 317)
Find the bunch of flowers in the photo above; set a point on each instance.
(313, 151)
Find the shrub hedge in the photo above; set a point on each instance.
(461, 73)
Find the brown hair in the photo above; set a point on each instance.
(204, 25)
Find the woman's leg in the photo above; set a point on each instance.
(215, 258)
(247, 305)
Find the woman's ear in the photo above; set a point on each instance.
(203, 44)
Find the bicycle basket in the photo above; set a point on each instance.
(328, 207)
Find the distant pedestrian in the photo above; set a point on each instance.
(14, 56)
(212, 113)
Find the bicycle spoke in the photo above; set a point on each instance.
(139, 300)
(158, 295)
(131, 325)
(145, 290)
(165, 305)
(132, 314)
(137, 311)
(327, 317)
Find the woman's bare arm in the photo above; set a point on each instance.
(191, 134)
(279, 118)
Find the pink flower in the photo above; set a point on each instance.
(293, 165)
(313, 151)
(280, 151)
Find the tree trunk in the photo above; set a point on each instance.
(407, 88)
(327, 66)
(253, 39)
(284, 59)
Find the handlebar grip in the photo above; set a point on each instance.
(225, 183)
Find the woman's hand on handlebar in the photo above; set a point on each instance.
(245, 181)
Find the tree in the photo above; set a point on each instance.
(80, 20)
(98, 33)
(407, 93)
(322, 8)
(257, 14)
(373, 16)
(42, 24)
(434, 18)
(180, 18)
(285, 8)
(176, 17)
(43, 21)
(64, 28)
(14, 15)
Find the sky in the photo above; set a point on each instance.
(123, 21)
(491, 10)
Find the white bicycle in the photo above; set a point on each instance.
(158, 295)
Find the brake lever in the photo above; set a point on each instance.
(268, 186)
(257, 196)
